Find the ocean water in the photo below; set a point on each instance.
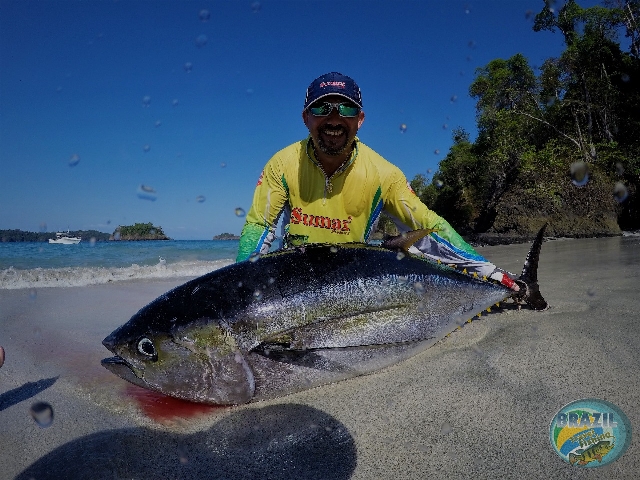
(35, 265)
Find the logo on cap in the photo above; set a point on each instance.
(333, 84)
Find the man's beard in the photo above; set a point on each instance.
(337, 149)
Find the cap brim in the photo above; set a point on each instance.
(328, 95)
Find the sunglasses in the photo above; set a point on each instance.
(325, 109)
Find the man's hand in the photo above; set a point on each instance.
(508, 282)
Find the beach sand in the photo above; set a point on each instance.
(477, 404)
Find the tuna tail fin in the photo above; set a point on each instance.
(529, 276)
(406, 240)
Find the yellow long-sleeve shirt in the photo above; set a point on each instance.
(344, 208)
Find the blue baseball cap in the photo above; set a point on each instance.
(333, 83)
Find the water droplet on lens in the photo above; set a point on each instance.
(146, 101)
(222, 165)
(334, 249)
(625, 78)
(403, 127)
(200, 198)
(528, 14)
(400, 256)
(92, 242)
(201, 40)
(619, 169)
(255, 7)
(240, 212)
(249, 91)
(591, 292)
(146, 193)
(42, 413)
(33, 294)
(188, 67)
(446, 428)
(204, 15)
(74, 160)
(445, 126)
(579, 174)
(174, 102)
(419, 288)
(182, 457)
(436, 151)
(472, 44)
(146, 148)
(271, 280)
(158, 123)
(454, 98)
(438, 183)
(620, 192)
(257, 295)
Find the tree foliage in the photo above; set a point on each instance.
(582, 106)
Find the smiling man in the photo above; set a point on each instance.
(331, 188)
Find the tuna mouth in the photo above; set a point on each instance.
(120, 367)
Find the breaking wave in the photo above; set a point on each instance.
(12, 278)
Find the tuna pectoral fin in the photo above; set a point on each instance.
(232, 381)
(531, 294)
(406, 240)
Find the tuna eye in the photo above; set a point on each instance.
(145, 347)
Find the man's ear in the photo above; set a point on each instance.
(360, 119)
(305, 117)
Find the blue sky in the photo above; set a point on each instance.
(224, 92)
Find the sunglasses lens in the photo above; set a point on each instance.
(348, 110)
(345, 110)
(321, 110)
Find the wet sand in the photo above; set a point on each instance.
(478, 404)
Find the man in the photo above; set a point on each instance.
(332, 188)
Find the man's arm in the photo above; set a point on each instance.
(444, 245)
(268, 201)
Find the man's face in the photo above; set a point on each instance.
(332, 134)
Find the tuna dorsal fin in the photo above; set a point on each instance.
(404, 241)
(532, 296)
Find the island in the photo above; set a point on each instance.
(138, 232)
(226, 236)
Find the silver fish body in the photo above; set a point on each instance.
(292, 320)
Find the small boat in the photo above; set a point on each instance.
(65, 239)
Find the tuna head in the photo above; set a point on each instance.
(196, 360)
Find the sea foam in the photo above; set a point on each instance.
(12, 278)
